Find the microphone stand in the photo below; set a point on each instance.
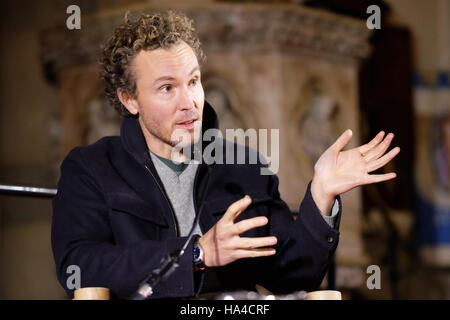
(169, 263)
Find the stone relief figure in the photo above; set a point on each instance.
(317, 127)
(102, 120)
(222, 101)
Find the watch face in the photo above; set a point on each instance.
(196, 252)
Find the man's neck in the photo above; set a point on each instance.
(160, 148)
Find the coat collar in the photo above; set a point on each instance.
(133, 138)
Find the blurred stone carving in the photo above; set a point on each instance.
(103, 120)
(222, 26)
(317, 128)
(217, 96)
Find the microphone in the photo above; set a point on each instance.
(169, 263)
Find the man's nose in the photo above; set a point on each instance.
(186, 100)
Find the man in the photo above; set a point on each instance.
(123, 205)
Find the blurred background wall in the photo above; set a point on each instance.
(289, 58)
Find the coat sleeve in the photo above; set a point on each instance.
(82, 237)
(305, 245)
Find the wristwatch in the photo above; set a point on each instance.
(199, 262)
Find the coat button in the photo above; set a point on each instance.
(330, 239)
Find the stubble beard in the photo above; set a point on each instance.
(154, 129)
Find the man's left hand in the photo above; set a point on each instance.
(338, 171)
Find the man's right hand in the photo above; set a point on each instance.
(222, 243)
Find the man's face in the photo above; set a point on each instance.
(169, 96)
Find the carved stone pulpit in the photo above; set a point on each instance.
(269, 66)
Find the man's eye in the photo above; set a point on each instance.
(166, 88)
(193, 82)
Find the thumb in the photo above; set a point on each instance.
(342, 141)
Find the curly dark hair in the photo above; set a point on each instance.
(147, 32)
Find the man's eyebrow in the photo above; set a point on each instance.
(170, 78)
(164, 78)
(196, 68)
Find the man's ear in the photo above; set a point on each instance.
(128, 101)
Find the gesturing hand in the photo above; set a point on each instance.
(337, 171)
(222, 243)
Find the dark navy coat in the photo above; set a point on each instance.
(112, 219)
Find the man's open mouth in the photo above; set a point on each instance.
(188, 124)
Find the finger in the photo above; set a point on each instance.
(248, 224)
(254, 253)
(253, 243)
(366, 147)
(375, 178)
(342, 141)
(374, 165)
(380, 149)
(236, 208)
